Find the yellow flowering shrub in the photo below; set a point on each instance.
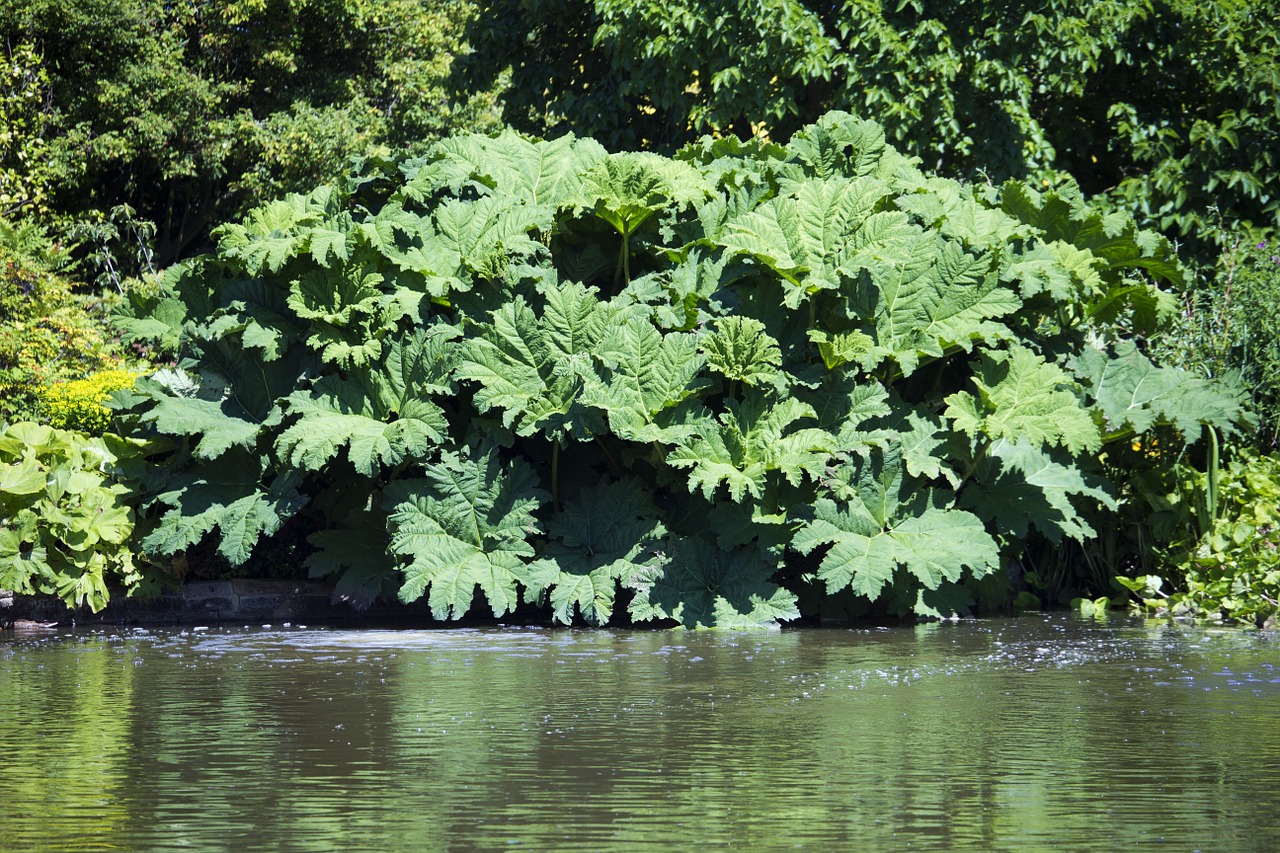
(49, 333)
(78, 405)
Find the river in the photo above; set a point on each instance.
(1036, 733)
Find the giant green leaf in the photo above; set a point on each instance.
(1023, 486)
(701, 586)
(927, 296)
(843, 403)
(1134, 394)
(601, 537)
(885, 521)
(467, 524)
(840, 144)
(358, 551)
(805, 237)
(536, 172)
(626, 189)
(488, 232)
(381, 414)
(747, 441)
(1114, 239)
(534, 369)
(351, 312)
(272, 235)
(229, 497)
(209, 413)
(645, 375)
(741, 350)
(952, 209)
(1023, 397)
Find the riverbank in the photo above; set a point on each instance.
(211, 602)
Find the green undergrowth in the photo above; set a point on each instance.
(52, 333)
(1222, 561)
(67, 521)
(722, 389)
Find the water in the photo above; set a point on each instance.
(998, 735)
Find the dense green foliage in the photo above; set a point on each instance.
(22, 84)
(1226, 328)
(191, 112)
(1224, 545)
(712, 382)
(48, 332)
(1169, 107)
(66, 522)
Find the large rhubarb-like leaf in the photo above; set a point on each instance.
(884, 521)
(741, 350)
(749, 440)
(467, 524)
(274, 234)
(1022, 486)
(806, 238)
(534, 369)
(1023, 397)
(381, 414)
(701, 586)
(229, 497)
(358, 552)
(643, 376)
(927, 296)
(1134, 394)
(541, 173)
(601, 537)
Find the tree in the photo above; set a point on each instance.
(1167, 107)
(190, 111)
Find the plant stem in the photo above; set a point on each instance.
(1211, 490)
(626, 256)
(555, 474)
(609, 457)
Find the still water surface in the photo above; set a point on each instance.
(1030, 734)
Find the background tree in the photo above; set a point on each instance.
(1168, 108)
(189, 111)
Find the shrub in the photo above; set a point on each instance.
(1226, 563)
(698, 385)
(78, 404)
(1227, 327)
(49, 333)
(66, 524)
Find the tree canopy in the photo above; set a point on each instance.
(190, 112)
(1170, 108)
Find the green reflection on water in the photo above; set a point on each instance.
(1013, 735)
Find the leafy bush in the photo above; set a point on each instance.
(22, 88)
(1227, 327)
(1021, 90)
(189, 112)
(705, 383)
(66, 523)
(1226, 563)
(48, 332)
(78, 404)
